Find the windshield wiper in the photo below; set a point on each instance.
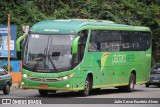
(37, 63)
(52, 63)
(40, 59)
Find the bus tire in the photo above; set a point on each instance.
(43, 92)
(87, 87)
(130, 86)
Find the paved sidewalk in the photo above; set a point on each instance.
(15, 86)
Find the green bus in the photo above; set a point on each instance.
(84, 55)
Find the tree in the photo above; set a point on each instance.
(133, 12)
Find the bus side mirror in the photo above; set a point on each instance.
(18, 42)
(75, 45)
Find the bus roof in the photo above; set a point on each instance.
(72, 26)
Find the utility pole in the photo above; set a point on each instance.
(8, 40)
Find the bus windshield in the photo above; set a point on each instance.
(48, 53)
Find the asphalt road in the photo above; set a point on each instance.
(140, 92)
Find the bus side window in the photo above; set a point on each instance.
(94, 44)
(136, 41)
(105, 41)
(126, 42)
(145, 40)
(115, 40)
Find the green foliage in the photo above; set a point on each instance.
(134, 12)
(23, 12)
(6, 67)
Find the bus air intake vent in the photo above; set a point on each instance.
(43, 79)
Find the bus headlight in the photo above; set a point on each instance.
(65, 77)
(25, 76)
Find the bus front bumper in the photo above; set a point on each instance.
(64, 85)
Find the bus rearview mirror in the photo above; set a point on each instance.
(18, 42)
(75, 45)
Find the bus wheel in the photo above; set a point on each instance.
(131, 84)
(43, 92)
(86, 90)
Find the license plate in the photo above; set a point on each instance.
(44, 85)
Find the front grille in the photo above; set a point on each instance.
(34, 79)
(43, 79)
(51, 80)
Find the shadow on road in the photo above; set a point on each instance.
(76, 94)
